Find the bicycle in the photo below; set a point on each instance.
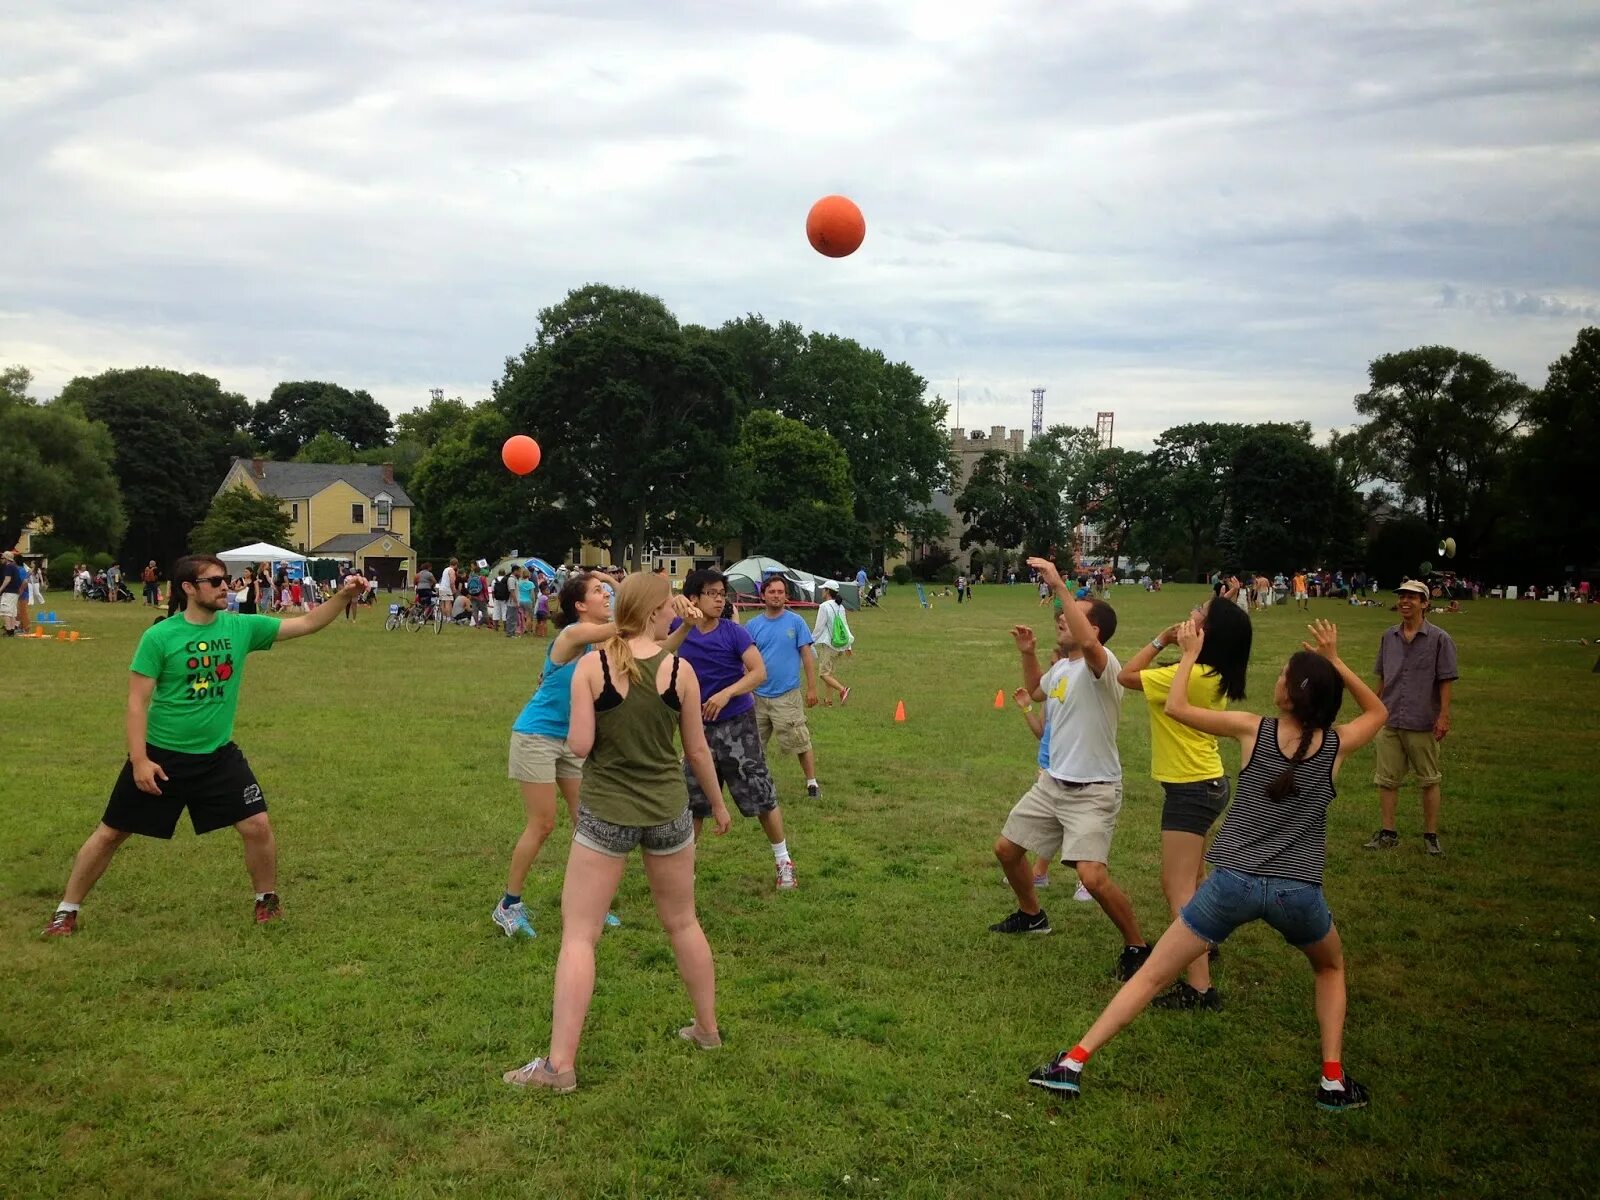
(399, 615)
(425, 612)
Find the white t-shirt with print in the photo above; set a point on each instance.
(1083, 725)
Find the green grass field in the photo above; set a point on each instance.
(877, 1035)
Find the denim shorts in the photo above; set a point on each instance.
(1193, 807)
(1229, 899)
(617, 841)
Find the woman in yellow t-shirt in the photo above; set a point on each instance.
(1187, 765)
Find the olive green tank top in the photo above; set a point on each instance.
(633, 776)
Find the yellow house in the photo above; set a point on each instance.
(356, 513)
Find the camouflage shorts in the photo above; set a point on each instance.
(741, 768)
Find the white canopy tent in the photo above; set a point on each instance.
(260, 552)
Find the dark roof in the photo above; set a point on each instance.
(301, 481)
(349, 543)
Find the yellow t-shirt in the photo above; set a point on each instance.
(1179, 754)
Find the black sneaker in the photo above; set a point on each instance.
(814, 791)
(1384, 839)
(1350, 1097)
(1057, 1077)
(1131, 959)
(1021, 922)
(1430, 842)
(1185, 998)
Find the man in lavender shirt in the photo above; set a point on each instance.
(1416, 670)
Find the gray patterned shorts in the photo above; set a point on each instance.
(741, 768)
(618, 841)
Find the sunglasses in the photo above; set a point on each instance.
(214, 580)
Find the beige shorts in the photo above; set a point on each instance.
(1072, 821)
(785, 716)
(826, 657)
(8, 604)
(1400, 750)
(539, 759)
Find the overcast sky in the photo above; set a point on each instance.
(1176, 211)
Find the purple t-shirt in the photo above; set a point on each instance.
(718, 660)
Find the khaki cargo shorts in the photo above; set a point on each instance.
(1072, 821)
(1400, 750)
(536, 758)
(785, 716)
(827, 656)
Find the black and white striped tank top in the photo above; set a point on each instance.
(1286, 838)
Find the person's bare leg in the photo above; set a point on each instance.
(1041, 867)
(772, 822)
(808, 763)
(1178, 947)
(92, 860)
(260, 852)
(1431, 796)
(1388, 799)
(1182, 860)
(1327, 960)
(671, 878)
(591, 883)
(1014, 862)
(539, 804)
(1113, 901)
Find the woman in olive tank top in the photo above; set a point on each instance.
(630, 702)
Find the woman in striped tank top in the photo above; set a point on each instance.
(1268, 855)
(631, 702)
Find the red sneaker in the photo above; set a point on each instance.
(63, 924)
(268, 909)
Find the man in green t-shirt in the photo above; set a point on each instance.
(182, 695)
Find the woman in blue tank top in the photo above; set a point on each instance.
(541, 760)
(1268, 854)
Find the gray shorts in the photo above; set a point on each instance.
(741, 768)
(618, 841)
(1193, 807)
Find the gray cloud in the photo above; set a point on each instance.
(1173, 211)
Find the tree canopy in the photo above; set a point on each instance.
(237, 517)
(297, 412)
(797, 505)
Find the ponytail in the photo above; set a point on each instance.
(1315, 694)
(1281, 787)
(637, 597)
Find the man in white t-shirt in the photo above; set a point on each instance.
(1072, 808)
(448, 589)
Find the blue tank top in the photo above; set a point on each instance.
(549, 712)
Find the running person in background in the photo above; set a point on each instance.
(541, 760)
(182, 695)
(729, 668)
(784, 642)
(1185, 762)
(1269, 853)
(627, 700)
(830, 634)
(1072, 808)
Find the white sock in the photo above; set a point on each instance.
(1332, 1085)
(780, 851)
(262, 895)
(65, 907)
(812, 783)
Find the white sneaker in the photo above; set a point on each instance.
(1082, 895)
(786, 879)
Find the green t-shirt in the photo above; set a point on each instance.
(198, 669)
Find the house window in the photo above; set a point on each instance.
(294, 511)
(382, 510)
(358, 514)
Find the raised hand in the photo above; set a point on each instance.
(1326, 638)
(1047, 570)
(1190, 637)
(1027, 641)
(1021, 698)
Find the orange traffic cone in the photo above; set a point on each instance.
(73, 636)
(61, 635)
(1000, 699)
(900, 711)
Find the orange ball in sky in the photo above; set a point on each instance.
(520, 454)
(835, 226)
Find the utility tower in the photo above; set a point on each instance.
(1038, 411)
(1102, 429)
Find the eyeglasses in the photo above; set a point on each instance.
(214, 580)
(714, 593)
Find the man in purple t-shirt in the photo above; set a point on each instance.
(729, 667)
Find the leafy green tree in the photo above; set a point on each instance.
(173, 437)
(238, 517)
(1440, 421)
(1286, 503)
(297, 412)
(923, 528)
(795, 483)
(634, 414)
(1558, 520)
(55, 464)
(1118, 490)
(1030, 500)
(328, 447)
(426, 426)
(988, 503)
(468, 504)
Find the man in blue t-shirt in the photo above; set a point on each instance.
(784, 640)
(729, 667)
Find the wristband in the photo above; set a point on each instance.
(1029, 708)
(1158, 644)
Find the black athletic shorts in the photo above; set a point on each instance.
(219, 789)
(1193, 807)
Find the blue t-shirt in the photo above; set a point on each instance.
(549, 711)
(779, 641)
(525, 591)
(718, 660)
(861, 579)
